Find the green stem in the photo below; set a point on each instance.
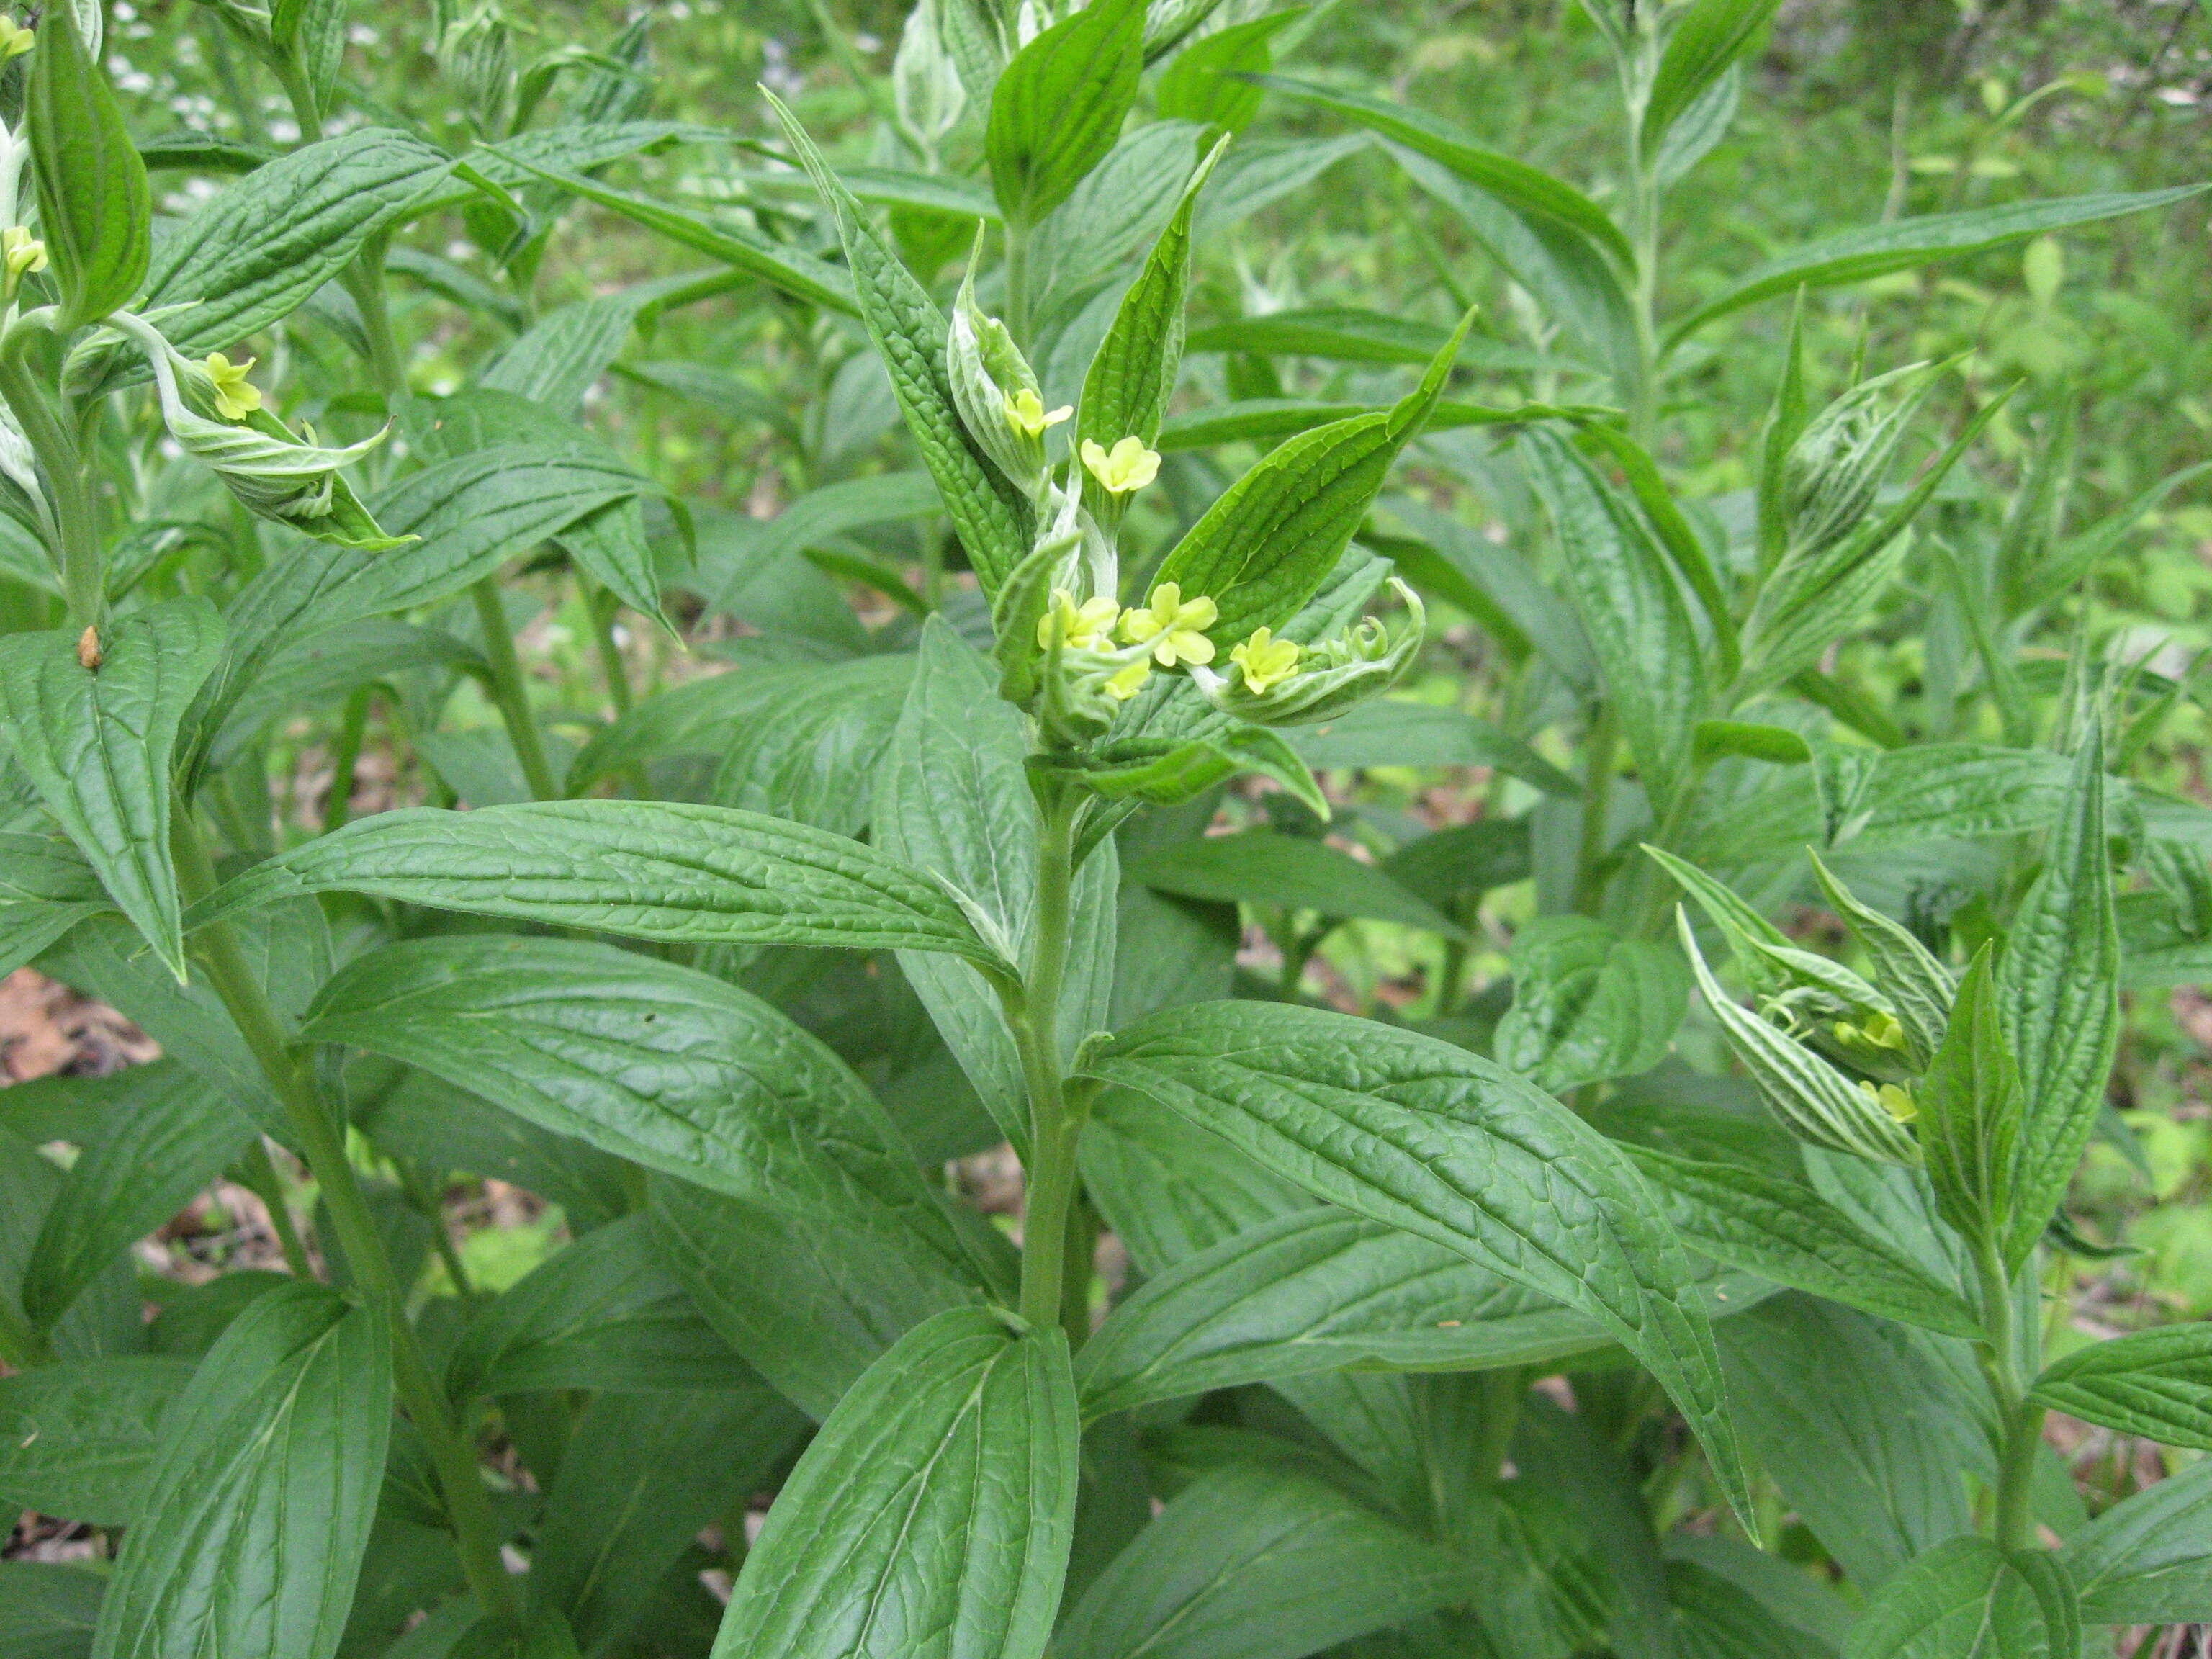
(84, 573)
(364, 282)
(322, 1142)
(511, 692)
(2020, 1422)
(353, 727)
(303, 96)
(1035, 1014)
(602, 605)
(263, 1180)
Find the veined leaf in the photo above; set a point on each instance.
(657, 870)
(931, 1517)
(1058, 105)
(95, 210)
(46, 888)
(98, 743)
(2156, 1383)
(77, 1437)
(1425, 1137)
(1971, 1115)
(1264, 866)
(1589, 1004)
(2147, 1559)
(48, 1611)
(260, 1502)
(1963, 1600)
(1701, 45)
(1392, 731)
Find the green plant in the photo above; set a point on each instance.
(1485, 1323)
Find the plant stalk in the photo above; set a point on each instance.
(2020, 1421)
(261, 1177)
(511, 692)
(1053, 1128)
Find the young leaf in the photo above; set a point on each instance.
(259, 1503)
(1963, 1600)
(1701, 44)
(931, 1517)
(1970, 1112)
(1423, 1136)
(95, 210)
(98, 741)
(1918, 987)
(1587, 1005)
(1059, 106)
(77, 1437)
(2156, 1383)
(656, 870)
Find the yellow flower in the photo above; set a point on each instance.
(1129, 466)
(1078, 624)
(15, 39)
(1175, 627)
(235, 397)
(1896, 1102)
(1130, 681)
(20, 249)
(1027, 414)
(1265, 661)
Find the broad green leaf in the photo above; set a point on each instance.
(993, 521)
(601, 1313)
(1718, 1616)
(1465, 861)
(1316, 1291)
(633, 1489)
(1392, 731)
(1774, 745)
(320, 668)
(1265, 867)
(610, 546)
(1079, 253)
(812, 751)
(97, 745)
(657, 870)
(931, 1517)
(1654, 663)
(2147, 1559)
(77, 1437)
(1587, 1005)
(1416, 1134)
(48, 1612)
(181, 1135)
(1169, 1189)
(110, 1318)
(95, 208)
(46, 888)
(555, 361)
(1267, 545)
(2156, 1383)
(1702, 44)
(259, 1501)
(425, 1119)
(663, 1065)
(1961, 1600)
(1857, 255)
(1781, 1231)
(1059, 106)
(2058, 996)
(1253, 1562)
(1970, 1124)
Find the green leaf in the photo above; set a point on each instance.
(931, 1517)
(1198, 85)
(1653, 662)
(1354, 334)
(1971, 1113)
(182, 1134)
(46, 888)
(610, 546)
(1962, 1599)
(1059, 106)
(2156, 1383)
(1858, 255)
(1423, 1136)
(1587, 1005)
(812, 751)
(1167, 771)
(48, 1612)
(657, 870)
(312, 32)
(1310, 1292)
(259, 1501)
(1775, 746)
(1918, 987)
(662, 1065)
(1265, 867)
(1702, 44)
(2147, 1559)
(1253, 1562)
(1392, 731)
(994, 519)
(97, 744)
(601, 1313)
(77, 1437)
(2057, 995)
(1264, 548)
(1781, 1231)
(95, 208)
(1282, 417)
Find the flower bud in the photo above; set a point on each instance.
(15, 39)
(21, 251)
(996, 392)
(925, 87)
(1275, 683)
(1832, 473)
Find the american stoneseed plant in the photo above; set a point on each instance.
(1490, 1329)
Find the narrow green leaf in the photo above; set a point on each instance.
(260, 1502)
(656, 870)
(97, 744)
(46, 888)
(1677, 540)
(1393, 731)
(1971, 1113)
(77, 1437)
(1204, 82)
(1059, 106)
(931, 1517)
(1587, 1005)
(1775, 746)
(1702, 44)
(95, 208)
(2156, 1383)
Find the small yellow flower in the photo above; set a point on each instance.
(235, 397)
(1896, 1102)
(1026, 413)
(1175, 627)
(1265, 661)
(1083, 625)
(15, 39)
(1129, 466)
(1130, 681)
(21, 251)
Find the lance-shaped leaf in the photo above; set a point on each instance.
(659, 870)
(2059, 997)
(1971, 1114)
(2147, 1559)
(1918, 987)
(1265, 548)
(910, 332)
(1059, 106)
(1701, 45)
(77, 1437)
(95, 210)
(1964, 1600)
(98, 743)
(931, 1517)
(2155, 1383)
(259, 1504)
(1426, 1136)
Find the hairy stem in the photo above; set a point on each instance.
(76, 522)
(2020, 1422)
(511, 692)
(322, 1142)
(1053, 1128)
